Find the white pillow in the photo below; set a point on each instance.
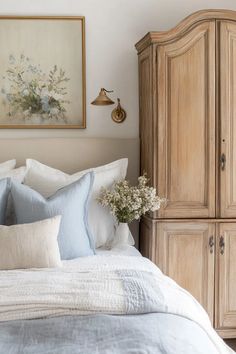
(47, 181)
(30, 245)
(7, 166)
(17, 174)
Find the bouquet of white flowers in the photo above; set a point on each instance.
(128, 203)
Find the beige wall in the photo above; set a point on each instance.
(112, 28)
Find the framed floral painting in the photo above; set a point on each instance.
(42, 72)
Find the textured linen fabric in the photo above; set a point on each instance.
(70, 202)
(30, 245)
(156, 333)
(124, 250)
(5, 185)
(7, 166)
(16, 174)
(47, 180)
(116, 285)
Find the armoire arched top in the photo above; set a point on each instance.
(184, 26)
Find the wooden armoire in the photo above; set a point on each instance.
(187, 80)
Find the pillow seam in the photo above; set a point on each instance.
(90, 236)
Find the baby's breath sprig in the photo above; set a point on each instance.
(128, 203)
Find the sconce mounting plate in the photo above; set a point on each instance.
(118, 114)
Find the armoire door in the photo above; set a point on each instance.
(227, 158)
(186, 123)
(187, 255)
(226, 276)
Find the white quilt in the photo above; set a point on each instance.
(99, 284)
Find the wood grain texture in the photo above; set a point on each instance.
(191, 99)
(231, 343)
(148, 241)
(228, 118)
(186, 257)
(186, 124)
(225, 277)
(159, 37)
(147, 121)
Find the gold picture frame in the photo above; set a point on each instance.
(43, 80)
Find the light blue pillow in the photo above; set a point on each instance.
(5, 186)
(74, 239)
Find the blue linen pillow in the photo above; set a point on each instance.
(5, 186)
(74, 239)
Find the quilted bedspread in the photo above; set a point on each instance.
(98, 286)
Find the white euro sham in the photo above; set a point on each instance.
(17, 174)
(7, 166)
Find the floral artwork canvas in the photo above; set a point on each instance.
(42, 72)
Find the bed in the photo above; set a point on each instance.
(115, 301)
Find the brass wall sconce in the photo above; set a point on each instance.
(118, 114)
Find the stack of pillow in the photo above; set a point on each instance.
(53, 216)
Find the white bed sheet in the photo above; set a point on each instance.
(125, 250)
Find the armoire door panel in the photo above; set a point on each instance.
(186, 124)
(187, 256)
(227, 158)
(226, 276)
(148, 240)
(146, 112)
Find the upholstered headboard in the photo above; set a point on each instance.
(73, 154)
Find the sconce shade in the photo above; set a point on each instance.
(102, 99)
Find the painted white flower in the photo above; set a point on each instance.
(57, 96)
(25, 92)
(44, 92)
(26, 113)
(54, 111)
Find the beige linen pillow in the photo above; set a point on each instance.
(30, 245)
